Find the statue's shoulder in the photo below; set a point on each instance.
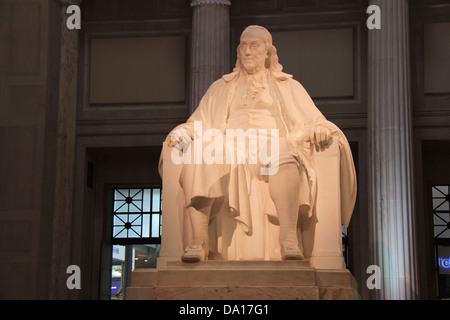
(216, 86)
(227, 78)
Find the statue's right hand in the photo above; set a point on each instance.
(180, 138)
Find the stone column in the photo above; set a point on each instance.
(210, 57)
(390, 152)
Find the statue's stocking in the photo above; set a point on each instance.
(200, 222)
(284, 189)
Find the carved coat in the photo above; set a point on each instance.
(299, 116)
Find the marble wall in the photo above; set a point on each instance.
(23, 94)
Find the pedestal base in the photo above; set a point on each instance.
(241, 280)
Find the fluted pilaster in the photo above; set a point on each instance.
(390, 155)
(63, 97)
(210, 45)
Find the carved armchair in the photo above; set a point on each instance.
(321, 234)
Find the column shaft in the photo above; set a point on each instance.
(390, 154)
(210, 46)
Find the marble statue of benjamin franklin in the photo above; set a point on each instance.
(257, 95)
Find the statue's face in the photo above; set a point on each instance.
(252, 51)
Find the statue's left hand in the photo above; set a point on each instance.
(180, 137)
(320, 137)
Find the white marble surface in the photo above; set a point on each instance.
(241, 280)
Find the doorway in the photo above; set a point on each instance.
(436, 159)
(134, 224)
(123, 217)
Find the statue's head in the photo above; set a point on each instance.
(256, 51)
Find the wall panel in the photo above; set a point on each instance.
(437, 58)
(430, 88)
(24, 36)
(322, 60)
(137, 70)
(21, 164)
(25, 40)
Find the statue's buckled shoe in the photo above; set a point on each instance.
(291, 252)
(194, 253)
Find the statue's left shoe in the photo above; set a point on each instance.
(194, 253)
(291, 252)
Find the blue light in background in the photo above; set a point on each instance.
(444, 263)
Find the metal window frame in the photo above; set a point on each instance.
(438, 240)
(140, 214)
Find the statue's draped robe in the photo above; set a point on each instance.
(299, 117)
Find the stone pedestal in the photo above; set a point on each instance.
(241, 280)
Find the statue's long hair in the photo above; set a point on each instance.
(272, 60)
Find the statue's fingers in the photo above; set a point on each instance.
(175, 136)
(179, 146)
(173, 142)
(322, 138)
(185, 140)
(311, 137)
(326, 141)
(329, 138)
(187, 137)
(314, 138)
(318, 137)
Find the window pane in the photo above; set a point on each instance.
(444, 189)
(436, 193)
(437, 202)
(156, 200)
(146, 226)
(120, 206)
(438, 231)
(444, 206)
(440, 218)
(135, 219)
(146, 200)
(135, 206)
(123, 192)
(119, 195)
(136, 194)
(155, 225)
(119, 232)
(120, 219)
(134, 232)
(445, 234)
